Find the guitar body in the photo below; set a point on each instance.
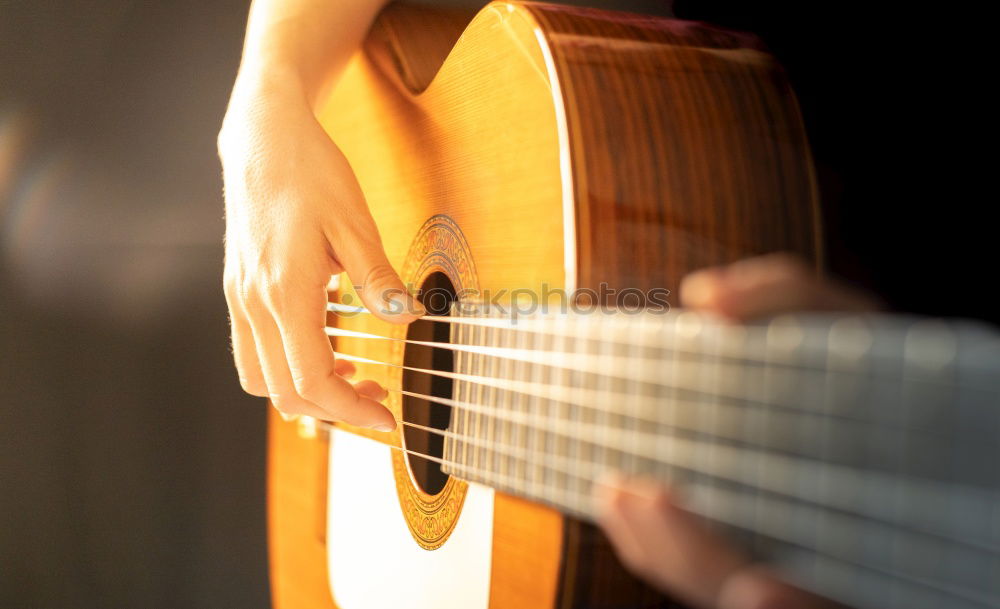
(546, 148)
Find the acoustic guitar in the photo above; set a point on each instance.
(541, 175)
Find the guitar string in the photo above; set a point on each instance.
(780, 339)
(689, 325)
(580, 503)
(575, 502)
(773, 466)
(683, 453)
(571, 468)
(640, 369)
(685, 324)
(528, 423)
(567, 394)
(493, 475)
(825, 416)
(498, 353)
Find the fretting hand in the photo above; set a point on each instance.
(651, 532)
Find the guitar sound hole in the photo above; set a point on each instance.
(437, 293)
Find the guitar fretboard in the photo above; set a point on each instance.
(858, 454)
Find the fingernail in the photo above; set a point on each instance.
(698, 288)
(404, 304)
(383, 427)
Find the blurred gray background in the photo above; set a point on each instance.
(131, 465)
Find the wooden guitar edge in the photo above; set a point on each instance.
(296, 514)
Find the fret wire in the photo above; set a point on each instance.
(602, 391)
(574, 446)
(511, 403)
(773, 470)
(520, 371)
(530, 424)
(597, 386)
(447, 453)
(541, 433)
(482, 418)
(471, 389)
(914, 397)
(756, 424)
(629, 387)
(485, 398)
(470, 363)
(910, 452)
(454, 417)
(466, 390)
(577, 453)
(560, 442)
(834, 360)
(504, 402)
(494, 371)
(687, 334)
(478, 391)
(674, 408)
(895, 452)
(772, 355)
(707, 412)
(451, 443)
(475, 392)
(802, 431)
(539, 438)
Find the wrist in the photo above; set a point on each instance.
(261, 80)
(262, 94)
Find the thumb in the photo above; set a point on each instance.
(378, 285)
(386, 297)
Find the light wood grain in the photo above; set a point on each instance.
(296, 513)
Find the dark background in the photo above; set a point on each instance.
(131, 465)
(132, 468)
(896, 104)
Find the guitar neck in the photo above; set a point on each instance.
(851, 451)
